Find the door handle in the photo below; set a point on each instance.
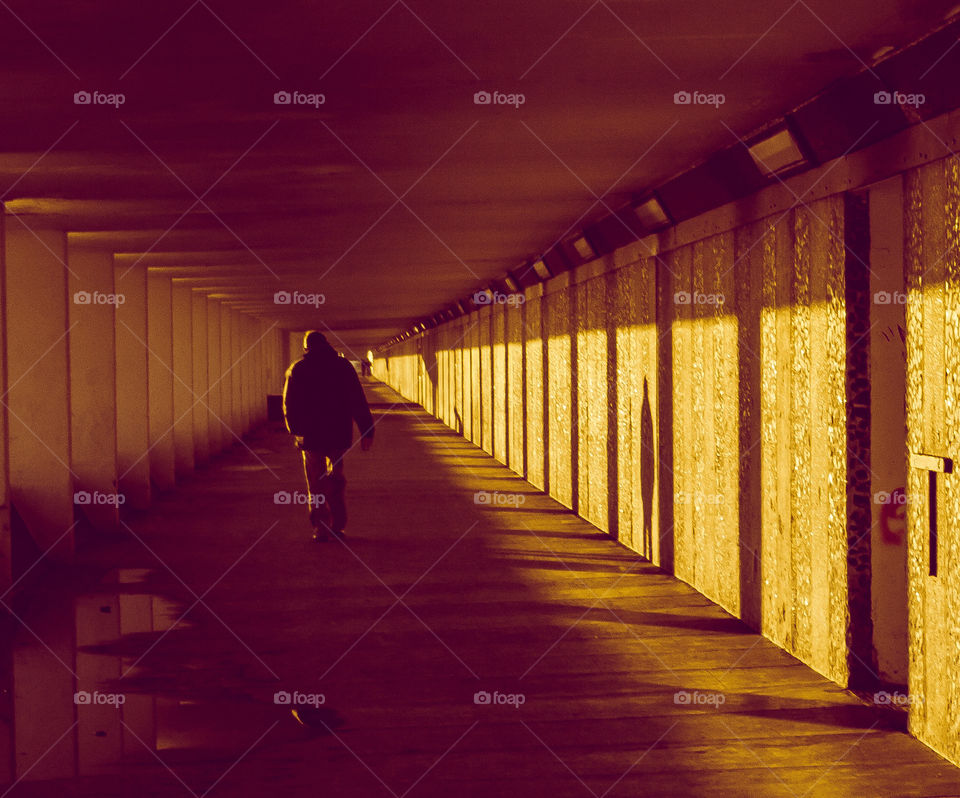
(933, 465)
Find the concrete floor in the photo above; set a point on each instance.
(434, 599)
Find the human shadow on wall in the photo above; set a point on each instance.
(648, 466)
(428, 376)
(664, 313)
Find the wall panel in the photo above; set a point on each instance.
(560, 373)
(534, 392)
(515, 386)
(498, 364)
(592, 394)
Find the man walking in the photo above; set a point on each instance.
(322, 398)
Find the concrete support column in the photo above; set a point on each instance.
(264, 368)
(93, 389)
(256, 367)
(287, 350)
(201, 381)
(5, 544)
(227, 376)
(280, 360)
(183, 390)
(216, 427)
(37, 398)
(239, 372)
(236, 362)
(160, 376)
(266, 352)
(248, 363)
(132, 387)
(248, 359)
(260, 391)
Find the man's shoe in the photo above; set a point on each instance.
(338, 534)
(320, 535)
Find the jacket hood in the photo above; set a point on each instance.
(320, 352)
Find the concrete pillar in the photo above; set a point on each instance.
(268, 354)
(273, 372)
(286, 350)
(226, 378)
(247, 362)
(37, 398)
(236, 363)
(256, 389)
(5, 552)
(239, 372)
(214, 401)
(183, 390)
(93, 392)
(201, 381)
(132, 389)
(249, 370)
(260, 391)
(160, 377)
(281, 360)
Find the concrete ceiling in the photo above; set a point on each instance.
(398, 194)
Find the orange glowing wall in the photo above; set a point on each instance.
(739, 339)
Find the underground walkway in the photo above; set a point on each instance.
(604, 676)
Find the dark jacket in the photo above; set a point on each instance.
(322, 398)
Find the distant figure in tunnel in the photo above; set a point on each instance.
(322, 398)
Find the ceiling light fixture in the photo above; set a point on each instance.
(651, 214)
(777, 153)
(583, 248)
(541, 270)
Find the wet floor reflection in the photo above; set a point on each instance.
(73, 712)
